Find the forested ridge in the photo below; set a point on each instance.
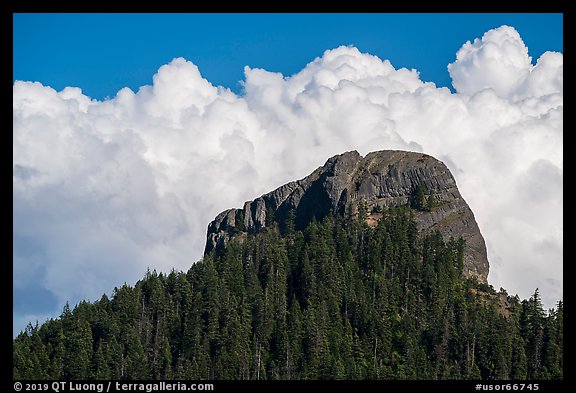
(338, 300)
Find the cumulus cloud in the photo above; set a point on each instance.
(102, 190)
(500, 62)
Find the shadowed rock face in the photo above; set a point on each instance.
(383, 178)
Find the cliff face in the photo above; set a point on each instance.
(384, 178)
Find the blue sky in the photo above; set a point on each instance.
(104, 190)
(101, 53)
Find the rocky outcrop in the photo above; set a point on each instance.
(383, 178)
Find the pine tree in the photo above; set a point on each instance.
(78, 354)
(335, 299)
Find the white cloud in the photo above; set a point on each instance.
(105, 189)
(500, 62)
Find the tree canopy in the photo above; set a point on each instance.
(337, 300)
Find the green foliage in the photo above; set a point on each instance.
(418, 198)
(424, 201)
(338, 300)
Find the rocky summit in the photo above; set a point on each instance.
(348, 182)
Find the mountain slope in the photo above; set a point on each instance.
(381, 179)
(365, 293)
